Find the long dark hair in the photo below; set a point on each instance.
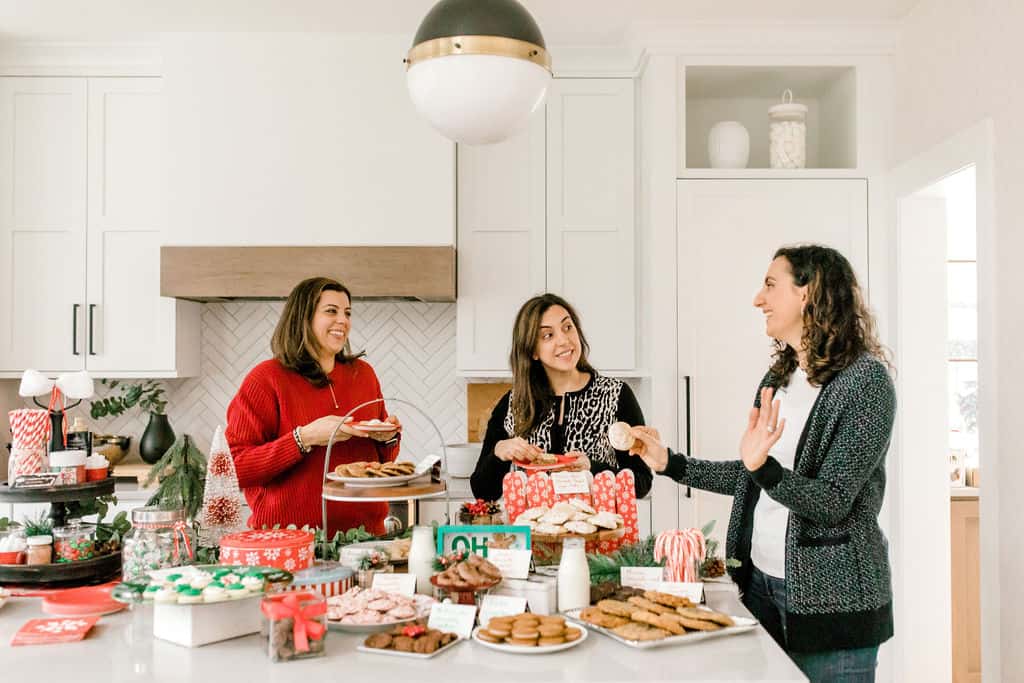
(294, 344)
(838, 327)
(531, 391)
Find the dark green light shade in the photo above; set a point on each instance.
(505, 18)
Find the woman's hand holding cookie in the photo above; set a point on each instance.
(516, 448)
(649, 448)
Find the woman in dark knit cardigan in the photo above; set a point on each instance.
(808, 487)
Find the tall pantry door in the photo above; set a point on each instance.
(727, 232)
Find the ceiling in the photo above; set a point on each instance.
(562, 21)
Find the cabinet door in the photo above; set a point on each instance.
(590, 212)
(500, 243)
(130, 328)
(42, 223)
(727, 232)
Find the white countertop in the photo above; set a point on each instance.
(119, 650)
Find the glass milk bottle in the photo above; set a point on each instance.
(421, 558)
(573, 576)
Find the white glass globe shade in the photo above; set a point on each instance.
(477, 99)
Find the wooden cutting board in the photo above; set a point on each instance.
(137, 470)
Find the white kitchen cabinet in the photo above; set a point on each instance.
(551, 209)
(591, 213)
(727, 233)
(83, 200)
(501, 242)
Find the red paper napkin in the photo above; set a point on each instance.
(44, 631)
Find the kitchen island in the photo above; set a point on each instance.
(120, 649)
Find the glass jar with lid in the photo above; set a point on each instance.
(74, 542)
(159, 538)
(787, 133)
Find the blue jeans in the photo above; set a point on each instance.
(766, 599)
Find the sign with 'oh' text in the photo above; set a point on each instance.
(475, 538)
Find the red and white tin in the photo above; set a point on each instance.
(326, 578)
(288, 549)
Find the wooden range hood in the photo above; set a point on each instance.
(405, 273)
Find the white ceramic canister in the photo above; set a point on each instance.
(787, 133)
(728, 145)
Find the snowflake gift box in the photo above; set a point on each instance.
(288, 549)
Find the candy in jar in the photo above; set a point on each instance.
(159, 538)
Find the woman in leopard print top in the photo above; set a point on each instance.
(558, 403)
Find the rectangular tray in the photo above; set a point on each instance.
(410, 655)
(743, 624)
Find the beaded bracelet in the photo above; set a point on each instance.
(298, 441)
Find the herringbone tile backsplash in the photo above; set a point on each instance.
(410, 345)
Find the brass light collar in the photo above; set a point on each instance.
(478, 45)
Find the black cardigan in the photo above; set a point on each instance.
(487, 478)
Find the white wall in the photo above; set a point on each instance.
(301, 139)
(959, 63)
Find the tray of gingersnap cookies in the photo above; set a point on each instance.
(528, 633)
(414, 640)
(655, 619)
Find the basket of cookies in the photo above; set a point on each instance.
(656, 619)
(462, 576)
(529, 633)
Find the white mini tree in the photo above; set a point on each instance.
(222, 499)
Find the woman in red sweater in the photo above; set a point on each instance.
(284, 413)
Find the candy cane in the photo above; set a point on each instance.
(681, 550)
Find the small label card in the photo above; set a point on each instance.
(514, 564)
(693, 591)
(568, 483)
(500, 606)
(403, 584)
(647, 578)
(459, 619)
(41, 480)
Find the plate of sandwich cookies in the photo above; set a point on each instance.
(528, 633)
(374, 473)
(657, 619)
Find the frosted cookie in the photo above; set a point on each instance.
(166, 595)
(214, 593)
(190, 596)
(583, 506)
(237, 590)
(201, 581)
(620, 436)
(580, 528)
(253, 582)
(606, 520)
(555, 517)
(151, 591)
(532, 513)
(549, 529)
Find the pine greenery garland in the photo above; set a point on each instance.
(608, 567)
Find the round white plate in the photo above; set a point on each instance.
(384, 427)
(521, 650)
(373, 482)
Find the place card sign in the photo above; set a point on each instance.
(459, 619)
(641, 577)
(500, 606)
(513, 563)
(569, 483)
(41, 480)
(476, 538)
(402, 584)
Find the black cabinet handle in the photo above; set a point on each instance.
(92, 308)
(74, 329)
(686, 379)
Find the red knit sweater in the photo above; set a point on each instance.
(282, 485)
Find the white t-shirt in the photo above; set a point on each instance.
(768, 544)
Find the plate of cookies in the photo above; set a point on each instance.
(544, 462)
(413, 640)
(529, 634)
(363, 473)
(658, 619)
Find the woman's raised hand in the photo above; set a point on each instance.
(763, 431)
(649, 448)
(516, 448)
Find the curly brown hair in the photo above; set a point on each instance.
(293, 344)
(532, 395)
(838, 327)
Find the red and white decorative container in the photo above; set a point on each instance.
(288, 549)
(326, 578)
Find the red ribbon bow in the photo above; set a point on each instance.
(305, 626)
(179, 533)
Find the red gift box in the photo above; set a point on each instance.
(288, 549)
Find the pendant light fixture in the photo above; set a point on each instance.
(478, 69)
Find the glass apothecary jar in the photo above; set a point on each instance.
(295, 624)
(159, 538)
(74, 542)
(787, 133)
